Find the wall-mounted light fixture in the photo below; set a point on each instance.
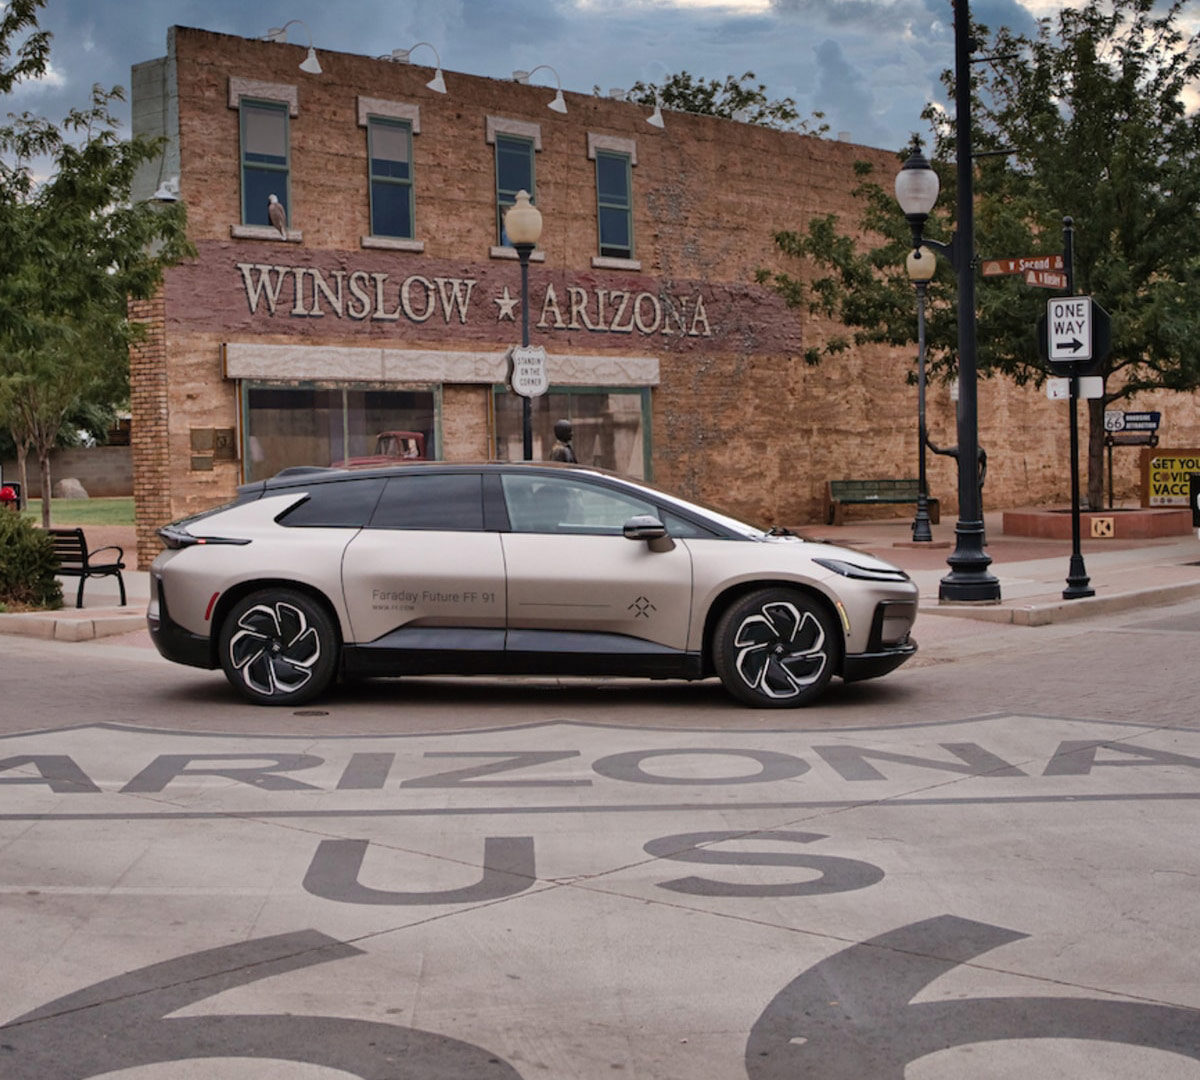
(168, 190)
(279, 34)
(558, 104)
(401, 56)
(655, 119)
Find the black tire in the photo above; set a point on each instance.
(278, 647)
(776, 648)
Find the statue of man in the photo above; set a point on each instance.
(562, 450)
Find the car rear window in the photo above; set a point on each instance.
(346, 504)
(445, 501)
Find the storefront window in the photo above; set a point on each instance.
(286, 426)
(611, 427)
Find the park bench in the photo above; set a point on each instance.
(75, 560)
(871, 492)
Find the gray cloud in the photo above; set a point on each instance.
(870, 65)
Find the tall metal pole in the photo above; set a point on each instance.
(921, 531)
(969, 579)
(1077, 576)
(523, 253)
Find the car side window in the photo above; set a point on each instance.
(683, 529)
(451, 502)
(346, 504)
(541, 504)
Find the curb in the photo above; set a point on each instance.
(1055, 611)
(77, 625)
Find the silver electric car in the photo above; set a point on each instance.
(494, 569)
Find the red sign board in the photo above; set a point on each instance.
(1046, 279)
(997, 267)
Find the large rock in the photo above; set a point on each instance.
(69, 488)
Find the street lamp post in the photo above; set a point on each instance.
(523, 227)
(916, 191)
(920, 265)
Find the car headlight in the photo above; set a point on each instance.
(862, 573)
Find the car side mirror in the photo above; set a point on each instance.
(649, 528)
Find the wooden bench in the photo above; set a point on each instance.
(74, 560)
(869, 492)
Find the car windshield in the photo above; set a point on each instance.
(721, 518)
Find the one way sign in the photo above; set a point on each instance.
(1069, 328)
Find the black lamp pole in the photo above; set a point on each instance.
(1078, 582)
(523, 253)
(916, 190)
(969, 579)
(921, 532)
(522, 228)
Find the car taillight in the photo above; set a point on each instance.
(175, 538)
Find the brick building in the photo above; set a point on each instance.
(389, 297)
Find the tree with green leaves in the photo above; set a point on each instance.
(1085, 120)
(735, 98)
(76, 249)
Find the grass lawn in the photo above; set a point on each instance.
(84, 511)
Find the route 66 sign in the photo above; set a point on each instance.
(529, 375)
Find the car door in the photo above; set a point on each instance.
(424, 573)
(571, 571)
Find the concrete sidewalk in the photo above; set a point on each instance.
(1032, 572)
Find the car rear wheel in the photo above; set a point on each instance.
(776, 648)
(278, 647)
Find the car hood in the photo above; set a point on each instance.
(818, 549)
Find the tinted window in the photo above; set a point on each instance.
(452, 502)
(346, 504)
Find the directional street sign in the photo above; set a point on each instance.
(1074, 335)
(1119, 420)
(1046, 279)
(1069, 328)
(999, 267)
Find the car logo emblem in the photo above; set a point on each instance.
(641, 608)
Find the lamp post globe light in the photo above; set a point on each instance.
(523, 227)
(920, 266)
(916, 190)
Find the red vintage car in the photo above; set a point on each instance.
(390, 447)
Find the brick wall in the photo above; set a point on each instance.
(149, 412)
(738, 419)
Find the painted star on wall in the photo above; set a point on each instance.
(505, 303)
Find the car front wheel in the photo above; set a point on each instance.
(278, 647)
(776, 648)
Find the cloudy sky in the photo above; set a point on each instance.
(868, 65)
